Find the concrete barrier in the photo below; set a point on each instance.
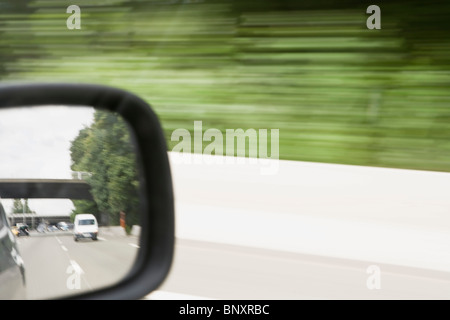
(112, 231)
(119, 231)
(136, 230)
(392, 216)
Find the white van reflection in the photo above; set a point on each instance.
(85, 226)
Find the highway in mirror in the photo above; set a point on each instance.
(69, 187)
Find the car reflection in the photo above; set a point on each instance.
(63, 226)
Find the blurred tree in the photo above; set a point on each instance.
(20, 206)
(338, 92)
(16, 22)
(105, 150)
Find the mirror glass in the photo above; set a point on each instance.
(69, 188)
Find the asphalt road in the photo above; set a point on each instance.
(57, 266)
(205, 270)
(220, 271)
(308, 231)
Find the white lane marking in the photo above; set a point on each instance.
(134, 245)
(57, 239)
(64, 248)
(76, 267)
(164, 295)
(101, 238)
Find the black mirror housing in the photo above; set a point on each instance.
(155, 256)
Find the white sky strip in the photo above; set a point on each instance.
(35, 144)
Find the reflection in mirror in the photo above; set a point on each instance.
(69, 189)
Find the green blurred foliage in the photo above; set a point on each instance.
(21, 207)
(338, 92)
(105, 150)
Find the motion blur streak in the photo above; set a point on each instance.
(337, 91)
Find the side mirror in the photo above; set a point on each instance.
(154, 201)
